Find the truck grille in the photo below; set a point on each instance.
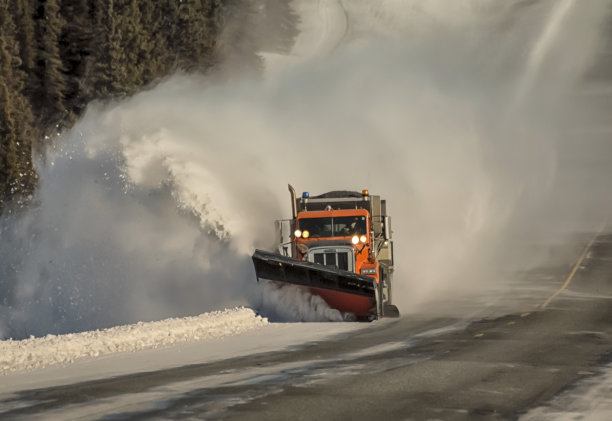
(341, 257)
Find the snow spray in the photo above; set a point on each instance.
(150, 208)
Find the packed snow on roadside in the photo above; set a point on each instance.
(50, 350)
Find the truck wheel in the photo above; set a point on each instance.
(389, 310)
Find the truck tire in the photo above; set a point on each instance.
(389, 310)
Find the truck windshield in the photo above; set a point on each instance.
(342, 226)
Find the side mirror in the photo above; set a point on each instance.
(387, 228)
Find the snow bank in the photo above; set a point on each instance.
(34, 352)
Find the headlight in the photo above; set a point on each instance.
(363, 238)
(305, 234)
(368, 271)
(355, 239)
(297, 233)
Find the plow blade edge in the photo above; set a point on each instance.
(345, 291)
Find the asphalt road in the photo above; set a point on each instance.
(412, 368)
(492, 369)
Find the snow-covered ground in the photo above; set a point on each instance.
(61, 359)
(34, 352)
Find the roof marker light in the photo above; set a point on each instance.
(365, 192)
(305, 195)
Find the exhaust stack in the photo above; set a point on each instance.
(293, 202)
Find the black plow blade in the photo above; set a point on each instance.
(275, 267)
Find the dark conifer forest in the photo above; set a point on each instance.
(58, 55)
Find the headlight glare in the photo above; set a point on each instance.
(363, 238)
(355, 239)
(305, 234)
(297, 233)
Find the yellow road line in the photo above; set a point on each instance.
(574, 270)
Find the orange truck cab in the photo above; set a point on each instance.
(338, 246)
(340, 238)
(347, 230)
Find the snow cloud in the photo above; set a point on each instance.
(150, 208)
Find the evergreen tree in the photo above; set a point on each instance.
(167, 24)
(16, 175)
(133, 51)
(194, 46)
(58, 55)
(48, 99)
(24, 10)
(155, 55)
(75, 51)
(99, 78)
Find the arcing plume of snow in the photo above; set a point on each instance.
(541, 47)
(49, 350)
(149, 208)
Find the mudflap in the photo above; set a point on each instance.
(345, 291)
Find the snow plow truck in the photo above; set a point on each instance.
(338, 246)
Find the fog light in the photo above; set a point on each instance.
(297, 233)
(305, 234)
(355, 239)
(363, 238)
